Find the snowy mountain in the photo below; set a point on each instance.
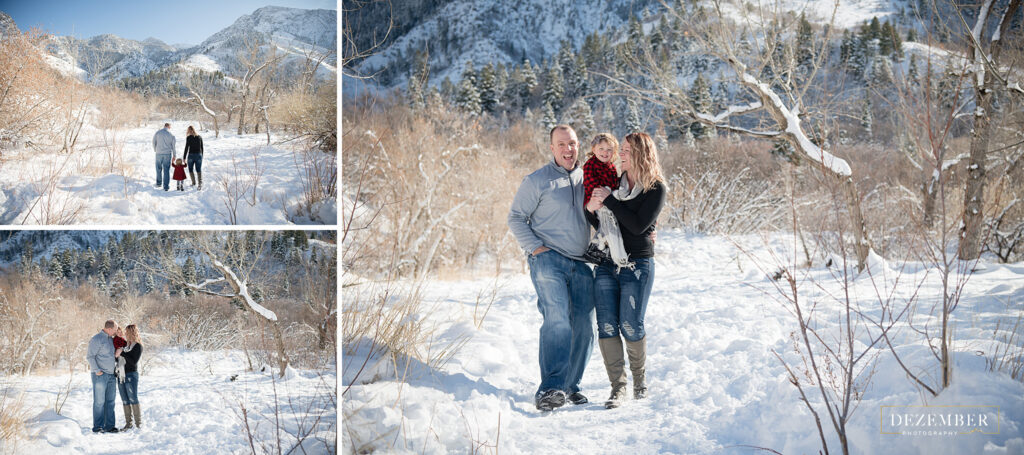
(482, 31)
(45, 243)
(292, 31)
(7, 24)
(104, 58)
(499, 31)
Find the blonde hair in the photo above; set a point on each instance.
(191, 131)
(646, 170)
(131, 333)
(605, 137)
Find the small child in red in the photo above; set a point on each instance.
(119, 344)
(599, 171)
(179, 174)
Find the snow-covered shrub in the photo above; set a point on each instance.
(12, 420)
(717, 202)
(433, 189)
(197, 331)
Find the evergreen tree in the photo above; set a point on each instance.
(581, 119)
(567, 67)
(188, 273)
(866, 119)
(633, 124)
(68, 263)
(804, 43)
(897, 45)
(881, 73)
(554, 89)
(885, 44)
(912, 34)
(414, 93)
(118, 284)
(488, 89)
(148, 285)
(529, 82)
(301, 240)
(912, 76)
(582, 77)
(27, 257)
(700, 98)
(468, 97)
(55, 269)
(448, 90)
(549, 120)
(607, 115)
(846, 47)
(100, 282)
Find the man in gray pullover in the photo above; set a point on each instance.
(548, 222)
(104, 383)
(163, 147)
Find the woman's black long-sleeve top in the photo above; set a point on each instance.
(194, 145)
(636, 219)
(131, 358)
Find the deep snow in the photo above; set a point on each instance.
(190, 405)
(125, 194)
(713, 320)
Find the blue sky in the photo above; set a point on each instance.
(174, 22)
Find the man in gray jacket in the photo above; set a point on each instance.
(548, 222)
(163, 147)
(104, 383)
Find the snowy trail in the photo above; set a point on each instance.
(102, 195)
(713, 381)
(189, 406)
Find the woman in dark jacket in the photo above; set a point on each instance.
(129, 389)
(621, 293)
(194, 155)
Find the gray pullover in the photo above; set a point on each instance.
(548, 211)
(101, 354)
(163, 142)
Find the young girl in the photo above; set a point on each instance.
(599, 171)
(119, 344)
(179, 174)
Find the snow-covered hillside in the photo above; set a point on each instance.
(245, 181)
(191, 403)
(715, 386)
(498, 31)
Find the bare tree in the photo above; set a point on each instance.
(198, 99)
(230, 276)
(255, 60)
(990, 76)
(777, 105)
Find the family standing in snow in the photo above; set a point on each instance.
(163, 147)
(551, 216)
(113, 357)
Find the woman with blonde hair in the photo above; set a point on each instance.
(129, 389)
(194, 155)
(621, 292)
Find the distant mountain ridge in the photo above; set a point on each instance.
(106, 58)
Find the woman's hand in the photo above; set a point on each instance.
(600, 192)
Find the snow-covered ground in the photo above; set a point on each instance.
(715, 386)
(190, 405)
(124, 193)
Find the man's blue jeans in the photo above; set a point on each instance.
(103, 389)
(163, 167)
(622, 298)
(129, 389)
(565, 297)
